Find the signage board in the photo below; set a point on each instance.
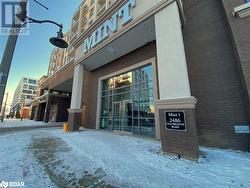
(109, 26)
(242, 129)
(175, 120)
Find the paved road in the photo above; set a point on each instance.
(14, 125)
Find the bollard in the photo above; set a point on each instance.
(66, 127)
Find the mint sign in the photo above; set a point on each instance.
(175, 120)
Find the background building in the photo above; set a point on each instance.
(86, 14)
(24, 93)
(58, 57)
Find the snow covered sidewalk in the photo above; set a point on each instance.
(13, 123)
(138, 162)
(52, 158)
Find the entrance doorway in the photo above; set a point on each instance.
(127, 102)
(122, 116)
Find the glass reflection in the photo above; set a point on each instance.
(128, 102)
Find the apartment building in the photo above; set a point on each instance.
(83, 18)
(174, 70)
(24, 93)
(58, 57)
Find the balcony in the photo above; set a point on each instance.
(111, 2)
(84, 9)
(84, 23)
(70, 60)
(71, 52)
(101, 10)
(73, 36)
(70, 49)
(76, 15)
(74, 27)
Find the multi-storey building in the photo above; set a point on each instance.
(193, 59)
(58, 57)
(24, 93)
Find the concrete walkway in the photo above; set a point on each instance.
(10, 125)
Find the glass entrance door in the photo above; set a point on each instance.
(122, 116)
(127, 102)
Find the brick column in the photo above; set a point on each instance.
(174, 89)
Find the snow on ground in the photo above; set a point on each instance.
(50, 157)
(138, 162)
(17, 163)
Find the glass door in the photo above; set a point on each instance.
(117, 116)
(122, 116)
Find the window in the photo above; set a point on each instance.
(247, 1)
(127, 102)
(27, 91)
(32, 87)
(32, 81)
(25, 80)
(91, 12)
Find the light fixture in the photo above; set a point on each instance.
(242, 11)
(59, 41)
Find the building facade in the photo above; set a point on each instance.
(174, 70)
(24, 93)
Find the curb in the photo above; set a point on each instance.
(25, 128)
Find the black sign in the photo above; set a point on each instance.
(175, 120)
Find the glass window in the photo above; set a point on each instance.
(128, 102)
(25, 80)
(32, 81)
(27, 91)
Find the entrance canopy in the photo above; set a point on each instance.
(131, 40)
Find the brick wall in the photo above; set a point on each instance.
(214, 75)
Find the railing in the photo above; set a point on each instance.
(70, 60)
(75, 23)
(70, 49)
(101, 9)
(85, 20)
(74, 36)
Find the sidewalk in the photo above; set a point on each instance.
(94, 158)
(17, 125)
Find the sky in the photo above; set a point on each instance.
(32, 52)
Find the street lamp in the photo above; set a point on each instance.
(57, 41)
(23, 19)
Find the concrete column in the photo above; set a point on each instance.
(74, 119)
(38, 115)
(174, 88)
(47, 109)
(172, 67)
